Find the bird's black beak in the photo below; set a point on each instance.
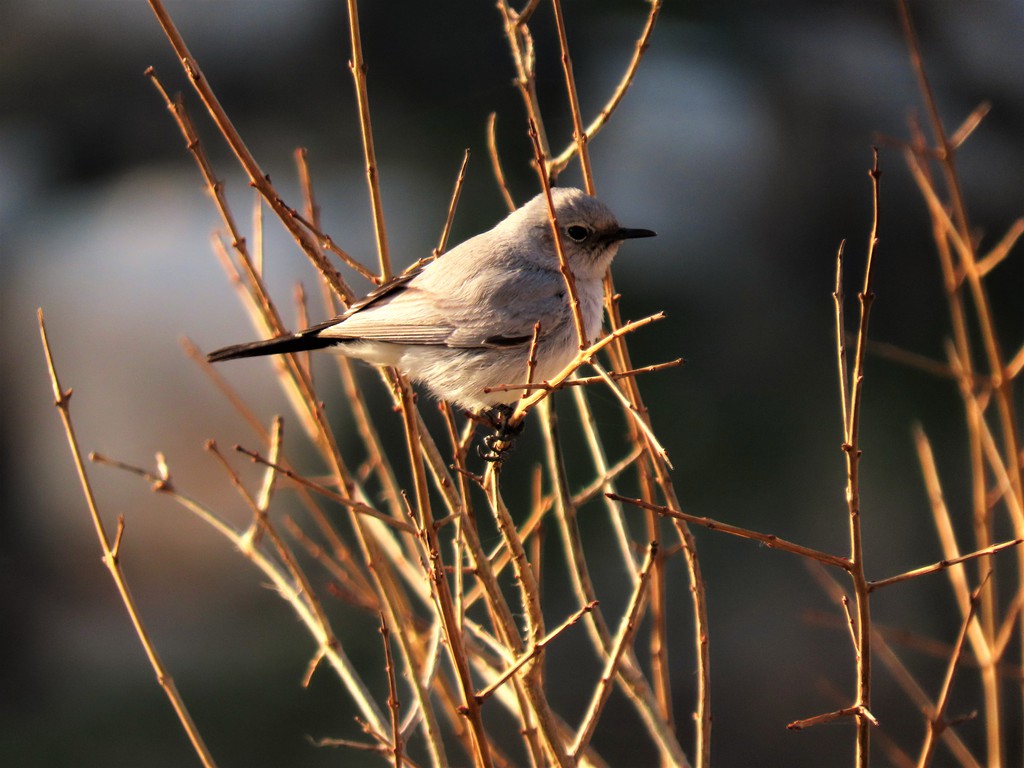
(626, 234)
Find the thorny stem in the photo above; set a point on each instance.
(936, 720)
(578, 134)
(851, 448)
(257, 177)
(958, 232)
(111, 559)
(642, 44)
(460, 179)
(358, 67)
(556, 234)
(439, 580)
(394, 705)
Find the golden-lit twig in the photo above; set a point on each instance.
(492, 150)
(261, 504)
(838, 298)
(897, 669)
(588, 492)
(629, 674)
(959, 233)
(435, 571)
(111, 558)
(642, 44)
(627, 627)
(850, 623)
(1001, 249)
(531, 358)
(936, 718)
(638, 419)
(283, 585)
(393, 704)
(525, 404)
(358, 67)
(343, 586)
(256, 175)
(828, 717)
(523, 57)
(248, 542)
(556, 233)
(942, 520)
(943, 564)
(967, 127)
(767, 539)
(251, 268)
(353, 504)
(529, 595)
(534, 650)
(852, 391)
(579, 135)
(583, 381)
(605, 480)
(459, 180)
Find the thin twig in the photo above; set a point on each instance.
(583, 381)
(256, 175)
(283, 585)
(854, 711)
(642, 44)
(556, 233)
(769, 540)
(492, 150)
(111, 558)
(851, 449)
(578, 134)
(627, 627)
(393, 704)
(941, 565)
(534, 651)
(358, 67)
(936, 720)
(459, 180)
(354, 505)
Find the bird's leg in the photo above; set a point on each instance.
(495, 446)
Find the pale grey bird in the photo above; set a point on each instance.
(464, 322)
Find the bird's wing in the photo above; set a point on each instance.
(497, 312)
(511, 315)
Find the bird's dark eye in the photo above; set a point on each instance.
(577, 232)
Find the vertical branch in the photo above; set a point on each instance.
(521, 43)
(394, 706)
(492, 150)
(957, 233)
(456, 193)
(443, 602)
(627, 628)
(628, 672)
(358, 67)
(997, 368)
(111, 559)
(642, 44)
(556, 233)
(851, 447)
(530, 596)
(578, 134)
(838, 298)
(936, 719)
(257, 177)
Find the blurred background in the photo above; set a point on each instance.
(744, 143)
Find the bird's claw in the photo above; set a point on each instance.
(497, 445)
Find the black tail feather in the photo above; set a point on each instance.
(278, 346)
